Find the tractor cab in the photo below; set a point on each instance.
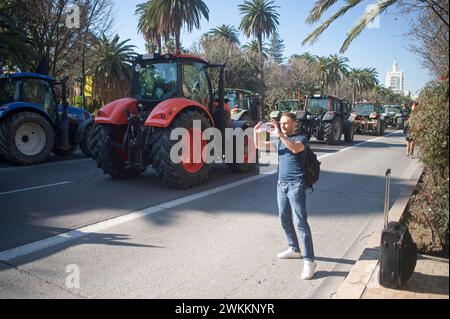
(242, 104)
(370, 110)
(158, 78)
(283, 106)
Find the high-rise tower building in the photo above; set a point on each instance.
(395, 79)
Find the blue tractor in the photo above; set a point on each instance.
(35, 119)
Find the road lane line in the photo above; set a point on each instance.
(360, 144)
(33, 188)
(95, 228)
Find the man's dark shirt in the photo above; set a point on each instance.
(289, 164)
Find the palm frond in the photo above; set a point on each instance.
(367, 18)
(313, 36)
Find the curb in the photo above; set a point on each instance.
(360, 275)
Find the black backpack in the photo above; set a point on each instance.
(311, 167)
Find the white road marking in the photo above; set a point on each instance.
(95, 228)
(33, 188)
(360, 144)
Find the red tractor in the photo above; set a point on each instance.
(168, 92)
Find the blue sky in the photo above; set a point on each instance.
(376, 47)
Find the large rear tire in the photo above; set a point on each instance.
(249, 164)
(179, 175)
(349, 132)
(333, 132)
(110, 158)
(86, 145)
(26, 138)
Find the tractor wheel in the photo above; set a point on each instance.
(65, 151)
(186, 173)
(333, 132)
(26, 138)
(248, 165)
(86, 145)
(95, 138)
(349, 133)
(110, 158)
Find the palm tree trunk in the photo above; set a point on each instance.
(354, 97)
(177, 42)
(261, 65)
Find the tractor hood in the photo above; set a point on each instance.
(117, 111)
(75, 114)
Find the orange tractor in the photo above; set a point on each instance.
(168, 92)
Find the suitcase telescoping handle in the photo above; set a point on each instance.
(386, 197)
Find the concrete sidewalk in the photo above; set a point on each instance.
(430, 279)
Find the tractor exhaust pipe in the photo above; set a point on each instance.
(64, 124)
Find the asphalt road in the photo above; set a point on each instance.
(214, 241)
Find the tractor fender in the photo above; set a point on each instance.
(116, 112)
(165, 112)
(16, 107)
(81, 130)
(330, 116)
(237, 115)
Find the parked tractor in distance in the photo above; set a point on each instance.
(283, 106)
(168, 92)
(34, 122)
(243, 105)
(394, 116)
(326, 118)
(368, 118)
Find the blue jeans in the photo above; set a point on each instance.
(292, 200)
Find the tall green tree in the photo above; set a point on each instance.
(227, 32)
(307, 56)
(252, 49)
(148, 27)
(111, 68)
(260, 19)
(323, 64)
(338, 71)
(170, 16)
(321, 6)
(14, 42)
(276, 48)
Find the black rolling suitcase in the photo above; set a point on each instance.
(398, 251)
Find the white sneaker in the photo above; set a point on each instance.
(290, 253)
(308, 269)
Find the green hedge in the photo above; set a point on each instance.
(430, 132)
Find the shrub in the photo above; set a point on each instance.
(430, 131)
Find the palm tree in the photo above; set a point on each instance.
(148, 26)
(370, 76)
(338, 70)
(323, 64)
(252, 49)
(171, 15)
(307, 56)
(227, 32)
(321, 6)
(260, 20)
(356, 79)
(111, 69)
